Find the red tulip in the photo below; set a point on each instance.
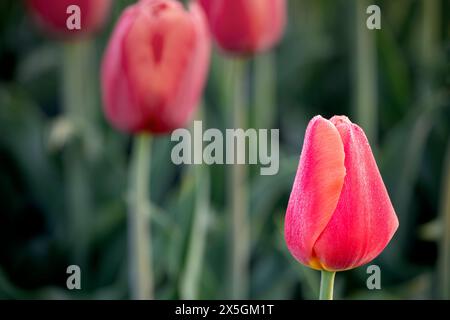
(246, 26)
(339, 214)
(52, 16)
(155, 66)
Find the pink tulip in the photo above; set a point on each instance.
(339, 214)
(52, 16)
(246, 26)
(155, 66)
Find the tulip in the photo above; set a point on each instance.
(155, 66)
(52, 16)
(153, 73)
(339, 214)
(246, 26)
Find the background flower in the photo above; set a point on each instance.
(155, 67)
(246, 26)
(52, 16)
(315, 68)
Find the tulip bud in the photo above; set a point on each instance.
(155, 66)
(339, 214)
(55, 17)
(246, 26)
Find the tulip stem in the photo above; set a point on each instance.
(326, 285)
(238, 192)
(444, 265)
(191, 276)
(78, 100)
(365, 78)
(265, 91)
(140, 266)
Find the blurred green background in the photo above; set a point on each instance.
(63, 169)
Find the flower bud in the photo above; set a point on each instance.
(246, 26)
(339, 214)
(155, 66)
(69, 18)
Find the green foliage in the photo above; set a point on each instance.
(311, 72)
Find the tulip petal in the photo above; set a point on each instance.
(246, 26)
(155, 66)
(117, 106)
(316, 191)
(164, 66)
(364, 220)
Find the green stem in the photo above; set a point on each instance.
(365, 80)
(78, 104)
(140, 266)
(265, 91)
(430, 60)
(238, 192)
(326, 285)
(444, 257)
(194, 262)
(429, 50)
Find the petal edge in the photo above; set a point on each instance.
(316, 190)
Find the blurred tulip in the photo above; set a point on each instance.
(339, 214)
(246, 26)
(53, 16)
(155, 66)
